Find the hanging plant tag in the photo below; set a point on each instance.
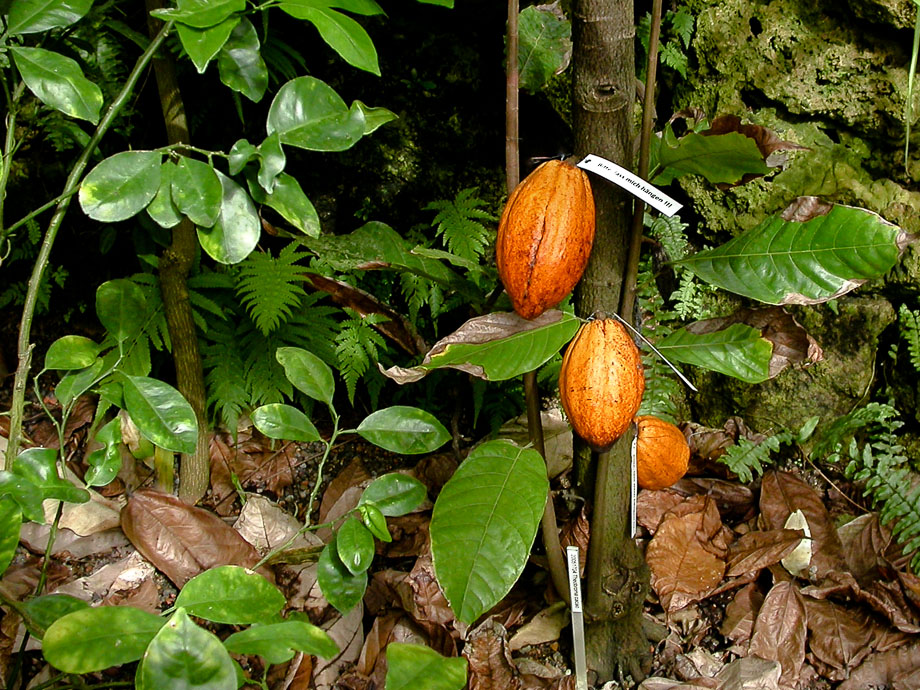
(633, 486)
(633, 184)
(578, 618)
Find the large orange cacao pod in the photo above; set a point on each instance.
(545, 237)
(662, 453)
(601, 382)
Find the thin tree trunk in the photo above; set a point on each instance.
(604, 94)
(175, 264)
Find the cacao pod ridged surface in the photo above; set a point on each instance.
(601, 382)
(662, 453)
(545, 237)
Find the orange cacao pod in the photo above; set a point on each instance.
(545, 237)
(601, 382)
(662, 453)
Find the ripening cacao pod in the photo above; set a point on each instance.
(662, 453)
(601, 382)
(545, 237)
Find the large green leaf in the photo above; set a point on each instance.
(365, 7)
(495, 347)
(121, 185)
(343, 34)
(161, 414)
(71, 352)
(417, 667)
(237, 230)
(342, 588)
(240, 63)
(120, 307)
(738, 351)
(38, 466)
(355, 545)
(203, 44)
(403, 429)
(162, 210)
(201, 13)
(283, 422)
(197, 191)
(185, 656)
(39, 613)
(720, 158)
(28, 496)
(288, 199)
(58, 82)
(309, 114)
(32, 16)
(75, 383)
(546, 45)
(484, 524)
(375, 117)
(308, 373)
(10, 525)
(231, 594)
(105, 463)
(94, 639)
(277, 642)
(273, 161)
(394, 494)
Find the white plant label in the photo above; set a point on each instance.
(571, 557)
(633, 486)
(632, 183)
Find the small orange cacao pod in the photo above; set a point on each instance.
(545, 237)
(662, 453)
(601, 382)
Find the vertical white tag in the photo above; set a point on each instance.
(571, 557)
(633, 184)
(633, 486)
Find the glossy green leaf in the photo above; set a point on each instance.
(185, 656)
(395, 494)
(273, 161)
(10, 525)
(237, 230)
(484, 523)
(231, 594)
(339, 585)
(240, 63)
(121, 185)
(202, 45)
(355, 546)
(365, 7)
(120, 307)
(71, 352)
(788, 262)
(28, 496)
(375, 118)
(342, 33)
(375, 521)
(309, 114)
(309, 374)
(288, 199)
(32, 16)
(93, 639)
(39, 467)
(721, 158)
(39, 613)
(417, 667)
(76, 383)
(162, 210)
(58, 82)
(545, 45)
(403, 429)
(737, 351)
(161, 414)
(201, 13)
(495, 347)
(277, 642)
(280, 421)
(197, 191)
(442, 3)
(105, 463)
(240, 154)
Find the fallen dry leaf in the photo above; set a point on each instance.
(750, 673)
(651, 506)
(780, 631)
(740, 614)
(348, 634)
(353, 475)
(490, 664)
(577, 532)
(546, 626)
(840, 637)
(757, 550)
(879, 670)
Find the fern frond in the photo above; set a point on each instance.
(690, 297)
(271, 287)
(746, 457)
(672, 55)
(312, 327)
(671, 233)
(910, 330)
(682, 22)
(458, 224)
(415, 290)
(265, 379)
(356, 347)
(833, 441)
(224, 376)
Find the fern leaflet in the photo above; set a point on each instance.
(459, 225)
(356, 347)
(269, 287)
(746, 457)
(910, 330)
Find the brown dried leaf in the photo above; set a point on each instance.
(348, 634)
(181, 540)
(804, 208)
(864, 542)
(782, 493)
(840, 637)
(421, 596)
(750, 673)
(490, 664)
(410, 536)
(734, 500)
(740, 614)
(652, 506)
(780, 631)
(756, 550)
(577, 532)
(767, 140)
(354, 474)
(434, 470)
(883, 597)
(879, 670)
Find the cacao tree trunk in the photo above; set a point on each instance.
(604, 94)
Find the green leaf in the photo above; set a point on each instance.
(28, 496)
(394, 494)
(720, 158)
(484, 523)
(76, 383)
(203, 44)
(93, 639)
(10, 525)
(201, 13)
(789, 262)
(375, 118)
(120, 307)
(38, 466)
(339, 585)
(237, 230)
(309, 374)
(355, 546)
(280, 421)
(231, 594)
(277, 642)
(402, 429)
(545, 45)
(417, 667)
(365, 7)
(375, 521)
(71, 352)
(273, 161)
(737, 351)
(39, 613)
(343, 34)
(184, 655)
(197, 191)
(32, 16)
(162, 210)
(288, 199)
(442, 3)
(105, 463)
(121, 185)
(240, 63)
(309, 114)
(161, 414)
(58, 82)
(240, 154)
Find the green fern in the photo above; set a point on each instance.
(459, 224)
(746, 457)
(671, 233)
(832, 442)
(356, 348)
(271, 288)
(910, 330)
(225, 374)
